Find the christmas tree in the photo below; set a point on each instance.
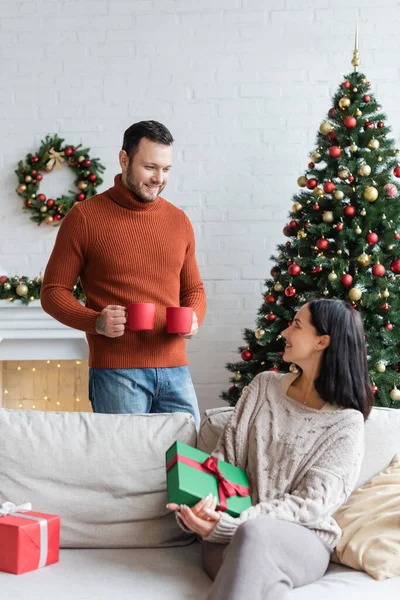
(342, 242)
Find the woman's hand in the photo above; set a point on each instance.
(201, 518)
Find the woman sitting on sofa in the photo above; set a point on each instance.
(300, 438)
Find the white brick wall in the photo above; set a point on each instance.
(243, 86)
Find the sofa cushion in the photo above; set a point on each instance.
(382, 440)
(103, 474)
(370, 523)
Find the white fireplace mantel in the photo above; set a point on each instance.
(28, 333)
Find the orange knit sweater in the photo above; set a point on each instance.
(124, 251)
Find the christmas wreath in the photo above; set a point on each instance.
(51, 154)
(26, 289)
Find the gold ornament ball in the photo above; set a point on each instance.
(344, 102)
(344, 173)
(302, 181)
(353, 148)
(325, 292)
(355, 294)
(7, 286)
(355, 89)
(358, 112)
(332, 276)
(327, 216)
(21, 188)
(339, 252)
(297, 206)
(293, 368)
(237, 376)
(385, 294)
(364, 259)
(379, 159)
(259, 333)
(380, 367)
(395, 394)
(81, 158)
(370, 193)
(82, 185)
(43, 209)
(48, 219)
(28, 179)
(315, 157)
(373, 144)
(364, 170)
(22, 289)
(325, 128)
(318, 191)
(390, 247)
(301, 234)
(339, 195)
(358, 231)
(363, 212)
(278, 287)
(33, 195)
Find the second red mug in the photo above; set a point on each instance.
(179, 319)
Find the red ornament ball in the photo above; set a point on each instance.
(3, 279)
(246, 355)
(39, 177)
(311, 183)
(68, 151)
(378, 270)
(332, 136)
(346, 279)
(389, 326)
(269, 298)
(315, 207)
(80, 197)
(349, 210)
(293, 224)
(271, 317)
(366, 98)
(351, 178)
(335, 151)
(322, 244)
(274, 271)
(34, 173)
(397, 235)
(395, 266)
(307, 224)
(396, 171)
(381, 124)
(369, 125)
(57, 217)
(311, 165)
(86, 163)
(332, 112)
(92, 177)
(346, 85)
(288, 244)
(350, 122)
(41, 197)
(374, 389)
(290, 291)
(385, 306)
(294, 270)
(339, 226)
(316, 270)
(286, 231)
(372, 238)
(28, 203)
(329, 186)
(35, 159)
(50, 202)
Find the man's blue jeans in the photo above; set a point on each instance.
(143, 391)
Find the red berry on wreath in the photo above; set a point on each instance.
(57, 217)
(350, 122)
(332, 112)
(329, 186)
(366, 98)
(372, 238)
(346, 85)
(396, 171)
(381, 124)
(80, 197)
(246, 355)
(92, 177)
(50, 202)
(41, 197)
(369, 125)
(290, 291)
(39, 177)
(68, 151)
(395, 266)
(294, 270)
(346, 279)
(349, 210)
(86, 163)
(335, 151)
(311, 183)
(378, 270)
(322, 244)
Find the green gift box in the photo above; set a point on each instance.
(193, 474)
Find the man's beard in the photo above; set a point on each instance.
(136, 190)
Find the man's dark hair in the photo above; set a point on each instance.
(152, 130)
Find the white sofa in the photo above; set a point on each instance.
(105, 476)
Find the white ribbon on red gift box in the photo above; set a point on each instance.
(10, 509)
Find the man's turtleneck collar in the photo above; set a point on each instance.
(123, 196)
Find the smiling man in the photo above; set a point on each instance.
(130, 245)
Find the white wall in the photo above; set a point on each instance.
(243, 86)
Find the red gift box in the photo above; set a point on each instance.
(28, 540)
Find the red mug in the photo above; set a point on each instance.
(179, 319)
(141, 316)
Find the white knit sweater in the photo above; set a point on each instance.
(302, 463)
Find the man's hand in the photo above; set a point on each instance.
(111, 321)
(194, 330)
(201, 518)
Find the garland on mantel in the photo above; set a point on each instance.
(26, 289)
